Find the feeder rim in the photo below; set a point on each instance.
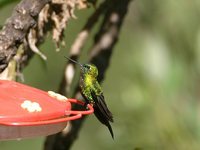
(76, 115)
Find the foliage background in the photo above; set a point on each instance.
(151, 86)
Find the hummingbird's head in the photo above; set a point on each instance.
(86, 69)
(89, 69)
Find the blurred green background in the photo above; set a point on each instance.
(152, 85)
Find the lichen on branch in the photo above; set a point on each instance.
(29, 23)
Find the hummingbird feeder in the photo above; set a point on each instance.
(29, 112)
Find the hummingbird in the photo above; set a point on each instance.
(93, 94)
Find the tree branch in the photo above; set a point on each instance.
(100, 55)
(16, 28)
(108, 35)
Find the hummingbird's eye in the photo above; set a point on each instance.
(88, 67)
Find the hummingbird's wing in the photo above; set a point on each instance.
(101, 104)
(101, 111)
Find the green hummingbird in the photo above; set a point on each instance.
(93, 94)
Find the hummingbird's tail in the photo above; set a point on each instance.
(110, 129)
(102, 112)
(103, 119)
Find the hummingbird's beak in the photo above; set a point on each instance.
(75, 62)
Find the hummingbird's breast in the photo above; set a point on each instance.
(87, 81)
(86, 84)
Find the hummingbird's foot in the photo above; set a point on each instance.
(86, 106)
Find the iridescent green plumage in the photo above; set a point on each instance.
(93, 94)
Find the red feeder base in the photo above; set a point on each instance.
(28, 112)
